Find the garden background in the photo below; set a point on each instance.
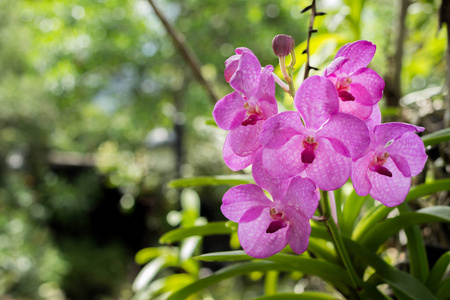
(101, 108)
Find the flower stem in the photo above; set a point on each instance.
(340, 247)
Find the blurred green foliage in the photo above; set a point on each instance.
(89, 91)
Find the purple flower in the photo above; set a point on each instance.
(244, 111)
(265, 226)
(395, 154)
(358, 87)
(323, 146)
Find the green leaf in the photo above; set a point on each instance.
(330, 272)
(385, 229)
(398, 280)
(211, 122)
(211, 180)
(212, 228)
(438, 271)
(227, 272)
(418, 261)
(443, 290)
(437, 137)
(351, 211)
(147, 254)
(149, 272)
(302, 296)
(163, 285)
(380, 212)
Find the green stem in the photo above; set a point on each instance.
(291, 83)
(340, 247)
(271, 282)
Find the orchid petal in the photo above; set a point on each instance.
(284, 162)
(253, 237)
(391, 191)
(229, 112)
(275, 186)
(247, 75)
(356, 109)
(348, 130)
(298, 232)
(241, 198)
(301, 195)
(266, 89)
(316, 100)
(374, 119)
(234, 161)
(389, 132)
(335, 65)
(330, 170)
(367, 86)
(408, 149)
(244, 140)
(280, 128)
(231, 65)
(360, 54)
(360, 179)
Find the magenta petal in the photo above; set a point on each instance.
(360, 54)
(334, 66)
(356, 109)
(341, 50)
(374, 119)
(284, 162)
(275, 186)
(330, 170)
(350, 131)
(247, 75)
(360, 179)
(367, 86)
(231, 65)
(266, 89)
(229, 111)
(316, 100)
(280, 128)
(241, 198)
(244, 140)
(234, 161)
(387, 132)
(253, 237)
(408, 149)
(299, 231)
(301, 195)
(391, 191)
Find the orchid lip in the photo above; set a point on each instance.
(310, 145)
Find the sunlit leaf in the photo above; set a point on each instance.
(212, 228)
(147, 254)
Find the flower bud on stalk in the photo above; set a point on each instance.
(282, 46)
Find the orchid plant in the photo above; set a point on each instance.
(286, 215)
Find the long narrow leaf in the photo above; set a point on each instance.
(352, 208)
(418, 261)
(443, 291)
(302, 296)
(382, 231)
(213, 228)
(437, 137)
(438, 271)
(380, 212)
(399, 280)
(211, 180)
(231, 271)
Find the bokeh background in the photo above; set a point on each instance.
(99, 111)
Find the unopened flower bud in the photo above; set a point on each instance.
(282, 45)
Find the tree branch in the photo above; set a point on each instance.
(189, 56)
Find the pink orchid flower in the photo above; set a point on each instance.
(395, 154)
(358, 87)
(266, 227)
(244, 111)
(317, 138)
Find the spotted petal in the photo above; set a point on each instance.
(253, 237)
(316, 100)
(391, 191)
(367, 86)
(349, 131)
(244, 140)
(360, 180)
(387, 132)
(360, 54)
(299, 231)
(408, 149)
(234, 161)
(280, 128)
(241, 198)
(330, 170)
(229, 112)
(301, 196)
(247, 75)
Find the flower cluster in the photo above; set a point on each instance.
(335, 133)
